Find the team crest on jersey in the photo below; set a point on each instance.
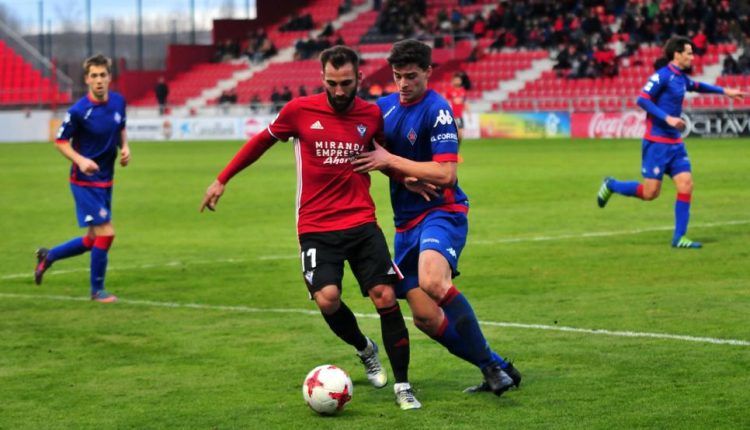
(118, 117)
(102, 213)
(362, 129)
(412, 136)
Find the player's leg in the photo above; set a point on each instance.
(323, 271)
(684, 184)
(87, 203)
(370, 261)
(652, 169)
(104, 235)
(443, 236)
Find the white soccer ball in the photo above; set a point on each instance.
(327, 389)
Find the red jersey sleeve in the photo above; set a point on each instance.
(284, 125)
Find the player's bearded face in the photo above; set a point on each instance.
(98, 79)
(411, 81)
(341, 86)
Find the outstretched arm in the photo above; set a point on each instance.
(246, 156)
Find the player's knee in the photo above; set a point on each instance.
(382, 296)
(650, 194)
(328, 299)
(434, 287)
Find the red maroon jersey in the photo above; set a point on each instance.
(330, 195)
(456, 97)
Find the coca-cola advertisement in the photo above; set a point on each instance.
(609, 125)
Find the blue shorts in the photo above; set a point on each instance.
(443, 232)
(661, 158)
(93, 205)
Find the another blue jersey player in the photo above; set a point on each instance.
(663, 151)
(430, 212)
(91, 136)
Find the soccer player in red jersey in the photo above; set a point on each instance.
(456, 96)
(335, 212)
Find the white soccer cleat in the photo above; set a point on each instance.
(374, 370)
(405, 396)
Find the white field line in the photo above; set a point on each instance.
(604, 233)
(471, 242)
(245, 309)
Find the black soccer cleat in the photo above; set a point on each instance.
(511, 371)
(41, 265)
(496, 379)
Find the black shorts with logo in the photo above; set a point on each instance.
(364, 247)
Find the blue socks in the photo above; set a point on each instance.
(99, 262)
(681, 215)
(626, 188)
(461, 334)
(71, 248)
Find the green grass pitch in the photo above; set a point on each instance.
(215, 331)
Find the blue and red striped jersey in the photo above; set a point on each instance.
(93, 129)
(421, 131)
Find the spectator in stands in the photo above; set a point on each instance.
(345, 7)
(227, 98)
(255, 103)
(162, 92)
(700, 41)
(327, 31)
(605, 60)
(302, 91)
(475, 55)
(286, 95)
(744, 62)
(276, 102)
(298, 23)
(730, 66)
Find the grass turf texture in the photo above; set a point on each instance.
(77, 364)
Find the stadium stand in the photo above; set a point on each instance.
(604, 50)
(22, 84)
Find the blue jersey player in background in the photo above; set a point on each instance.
(430, 212)
(663, 151)
(91, 136)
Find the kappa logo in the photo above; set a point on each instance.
(316, 126)
(362, 129)
(452, 252)
(412, 136)
(444, 118)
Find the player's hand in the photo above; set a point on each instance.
(424, 189)
(734, 93)
(213, 193)
(87, 166)
(677, 123)
(377, 159)
(124, 155)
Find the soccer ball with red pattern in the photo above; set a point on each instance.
(327, 389)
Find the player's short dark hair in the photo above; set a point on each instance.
(97, 60)
(410, 51)
(338, 56)
(675, 44)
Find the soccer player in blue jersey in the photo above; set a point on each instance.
(91, 136)
(430, 212)
(663, 151)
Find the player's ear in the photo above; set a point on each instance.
(429, 71)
